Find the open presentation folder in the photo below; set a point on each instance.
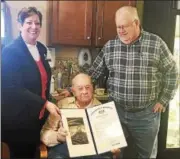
(93, 130)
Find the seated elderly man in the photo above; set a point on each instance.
(53, 134)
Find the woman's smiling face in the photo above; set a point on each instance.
(30, 29)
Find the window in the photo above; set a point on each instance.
(2, 23)
(173, 135)
(6, 24)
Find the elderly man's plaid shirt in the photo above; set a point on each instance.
(139, 73)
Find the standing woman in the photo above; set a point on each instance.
(25, 76)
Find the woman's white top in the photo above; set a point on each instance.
(34, 51)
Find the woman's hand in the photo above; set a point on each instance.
(115, 153)
(53, 109)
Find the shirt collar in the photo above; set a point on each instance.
(141, 35)
(30, 45)
(73, 101)
(139, 39)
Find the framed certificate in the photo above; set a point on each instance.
(93, 130)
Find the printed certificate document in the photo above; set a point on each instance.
(93, 130)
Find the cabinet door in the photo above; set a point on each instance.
(72, 22)
(53, 22)
(105, 18)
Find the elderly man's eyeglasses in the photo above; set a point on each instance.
(124, 27)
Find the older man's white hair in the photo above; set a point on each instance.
(81, 76)
(128, 10)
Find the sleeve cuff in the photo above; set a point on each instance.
(163, 102)
(41, 114)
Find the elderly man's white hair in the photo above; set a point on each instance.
(132, 11)
(82, 76)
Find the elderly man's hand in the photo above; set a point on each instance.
(116, 153)
(62, 133)
(159, 108)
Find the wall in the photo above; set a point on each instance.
(140, 8)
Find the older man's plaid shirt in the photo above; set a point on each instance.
(138, 73)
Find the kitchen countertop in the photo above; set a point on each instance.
(102, 97)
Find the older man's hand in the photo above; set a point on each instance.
(159, 108)
(115, 153)
(62, 133)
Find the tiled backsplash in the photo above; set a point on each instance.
(67, 63)
(68, 68)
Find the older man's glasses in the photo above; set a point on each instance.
(124, 27)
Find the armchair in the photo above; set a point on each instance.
(5, 152)
(42, 152)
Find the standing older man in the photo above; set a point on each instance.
(142, 78)
(53, 134)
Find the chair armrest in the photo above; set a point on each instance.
(5, 152)
(42, 151)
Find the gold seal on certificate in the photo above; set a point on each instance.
(94, 130)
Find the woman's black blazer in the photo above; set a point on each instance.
(21, 99)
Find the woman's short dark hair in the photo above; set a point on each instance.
(27, 12)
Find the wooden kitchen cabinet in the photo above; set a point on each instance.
(71, 22)
(105, 20)
(83, 23)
